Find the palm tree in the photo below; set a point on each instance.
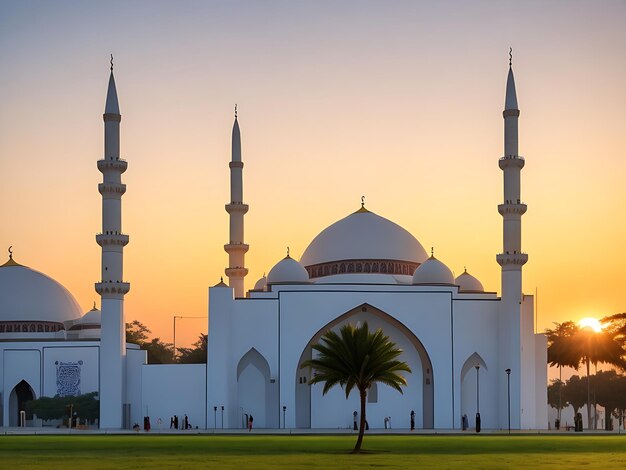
(562, 351)
(357, 358)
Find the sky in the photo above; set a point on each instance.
(400, 101)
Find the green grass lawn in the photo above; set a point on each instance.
(258, 451)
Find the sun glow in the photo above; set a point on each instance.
(590, 322)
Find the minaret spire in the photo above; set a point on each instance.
(511, 259)
(236, 248)
(112, 287)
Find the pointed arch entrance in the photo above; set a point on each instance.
(256, 392)
(20, 394)
(470, 381)
(333, 410)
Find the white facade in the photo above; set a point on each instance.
(457, 339)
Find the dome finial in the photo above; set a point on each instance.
(432, 251)
(465, 269)
(111, 62)
(221, 278)
(362, 202)
(288, 252)
(235, 110)
(11, 252)
(510, 56)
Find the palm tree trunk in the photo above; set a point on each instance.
(588, 398)
(359, 441)
(560, 386)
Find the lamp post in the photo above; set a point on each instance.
(477, 366)
(215, 417)
(508, 395)
(175, 317)
(284, 411)
(222, 416)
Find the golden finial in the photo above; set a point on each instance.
(94, 305)
(432, 251)
(362, 202)
(287, 252)
(111, 62)
(510, 56)
(235, 110)
(465, 269)
(11, 261)
(221, 278)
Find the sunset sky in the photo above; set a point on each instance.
(399, 101)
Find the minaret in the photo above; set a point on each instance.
(236, 248)
(511, 259)
(112, 288)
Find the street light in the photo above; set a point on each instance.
(508, 394)
(477, 366)
(222, 416)
(284, 411)
(175, 317)
(215, 417)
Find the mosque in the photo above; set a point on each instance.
(470, 351)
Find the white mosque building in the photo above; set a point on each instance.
(469, 350)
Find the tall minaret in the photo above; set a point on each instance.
(511, 259)
(236, 248)
(112, 288)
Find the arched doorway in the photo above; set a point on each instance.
(20, 394)
(470, 383)
(333, 410)
(256, 393)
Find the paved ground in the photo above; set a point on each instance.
(64, 431)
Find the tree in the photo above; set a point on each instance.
(159, 352)
(555, 396)
(575, 392)
(606, 384)
(195, 355)
(85, 406)
(357, 358)
(136, 332)
(562, 352)
(615, 325)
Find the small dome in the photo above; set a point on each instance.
(92, 317)
(468, 283)
(433, 271)
(29, 296)
(288, 271)
(261, 283)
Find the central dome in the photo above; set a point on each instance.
(363, 242)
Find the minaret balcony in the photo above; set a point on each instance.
(236, 248)
(512, 259)
(108, 164)
(511, 207)
(107, 189)
(112, 289)
(236, 207)
(511, 161)
(112, 238)
(236, 272)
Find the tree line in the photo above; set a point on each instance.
(570, 345)
(161, 352)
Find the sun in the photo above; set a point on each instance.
(590, 322)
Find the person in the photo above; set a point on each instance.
(412, 420)
(354, 415)
(171, 422)
(464, 422)
(186, 423)
(175, 421)
(250, 423)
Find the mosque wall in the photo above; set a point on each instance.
(70, 370)
(475, 326)
(427, 314)
(173, 389)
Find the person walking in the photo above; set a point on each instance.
(412, 420)
(250, 420)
